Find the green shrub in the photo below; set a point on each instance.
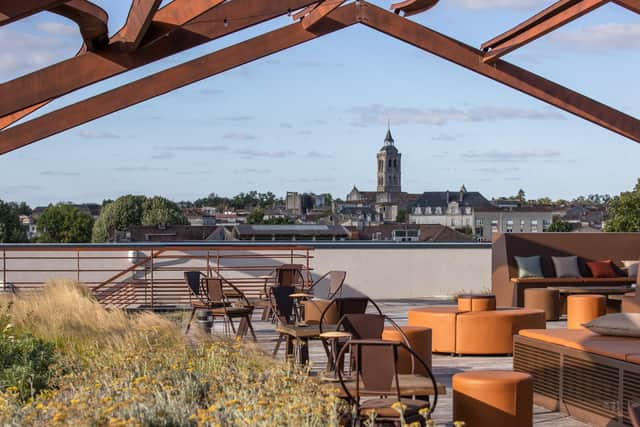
(24, 361)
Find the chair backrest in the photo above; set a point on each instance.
(283, 302)
(289, 275)
(193, 281)
(352, 305)
(214, 289)
(336, 280)
(363, 326)
(634, 414)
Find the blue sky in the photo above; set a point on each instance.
(312, 118)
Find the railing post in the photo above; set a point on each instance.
(78, 265)
(4, 268)
(208, 263)
(152, 296)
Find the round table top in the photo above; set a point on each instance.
(335, 334)
(479, 296)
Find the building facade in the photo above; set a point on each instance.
(518, 219)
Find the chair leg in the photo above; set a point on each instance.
(275, 350)
(253, 333)
(193, 313)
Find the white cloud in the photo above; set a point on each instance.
(252, 154)
(500, 4)
(191, 148)
(511, 156)
(91, 134)
(601, 37)
(58, 28)
(238, 136)
(24, 52)
(377, 114)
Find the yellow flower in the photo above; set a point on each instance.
(399, 406)
(459, 423)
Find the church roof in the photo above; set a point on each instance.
(442, 198)
(388, 138)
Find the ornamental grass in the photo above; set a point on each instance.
(112, 368)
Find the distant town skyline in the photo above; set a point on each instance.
(313, 118)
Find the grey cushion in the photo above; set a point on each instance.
(529, 266)
(632, 267)
(566, 266)
(617, 324)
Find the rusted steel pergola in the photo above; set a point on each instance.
(151, 33)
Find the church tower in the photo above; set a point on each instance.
(389, 166)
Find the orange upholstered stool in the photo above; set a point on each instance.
(471, 302)
(420, 341)
(584, 308)
(313, 310)
(493, 398)
(543, 299)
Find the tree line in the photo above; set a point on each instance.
(65, 223)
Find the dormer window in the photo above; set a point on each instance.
(438, 210)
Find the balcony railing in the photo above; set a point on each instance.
(151, 275)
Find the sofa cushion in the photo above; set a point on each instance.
(602, 268)
(566, 266)
(632, 267)
(617, 324)
(529, 266)
(615, 347)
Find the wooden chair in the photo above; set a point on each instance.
(285, 275)
(376, 375)
(198, 295)
(283, 309)
(226, 309)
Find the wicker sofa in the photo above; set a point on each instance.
(509, 290)
(591, 377)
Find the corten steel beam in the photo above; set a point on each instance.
(91, 19)
(632, 5)
(554, 9)
(500, 71)
(172, 15)
(413, 7)
(320, 11)
(304, 12)
(171, 79)
(138, 21)
(74, 73)
(12, 10)
(541, 28)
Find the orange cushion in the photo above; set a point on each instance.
(602, 268)
(621, 348)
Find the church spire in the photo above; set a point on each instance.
(388, 140)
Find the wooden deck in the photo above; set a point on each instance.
(443, 366)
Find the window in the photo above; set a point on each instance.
(453, 222)
(534, 222)
(479, 221)
(438, 210)
(534, 228)
(389, 162)
(395, 163)
(494, 226)
(467, 210)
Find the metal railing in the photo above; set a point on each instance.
(147, 275)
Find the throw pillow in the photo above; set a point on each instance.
(618, 324)
(602, 268)
(529, 266)
(632, 267)
(566, 266)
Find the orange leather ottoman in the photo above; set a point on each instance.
(420, 341)
(473, 302)
(630, 304)
(491, 332)
(544, 299)
(584, 308)
(493, 398)
(442, 322)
